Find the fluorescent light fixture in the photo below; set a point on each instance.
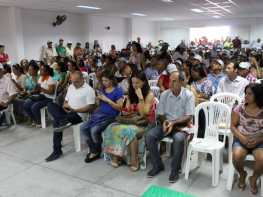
(137, 14)
(169, 19)
(197, 10)
(216, 16)
(88, 7)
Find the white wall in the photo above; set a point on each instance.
(38, 29)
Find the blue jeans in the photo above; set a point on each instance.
(93, 137)
(60, 115)
(157, 134)
(32, 108)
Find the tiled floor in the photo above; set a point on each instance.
(24, 172)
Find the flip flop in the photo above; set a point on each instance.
(253, 192)
(243, 186)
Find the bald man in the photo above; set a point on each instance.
(176, 107)
(78, 103)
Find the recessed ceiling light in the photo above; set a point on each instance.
(167, 1)
(88, 7)
(137, 14)
(197, 10)
(169, 19)
(216, 16)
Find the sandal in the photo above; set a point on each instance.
(253, 192)
(242, 187)
(134, 169)
(38, 126)
(115, 165)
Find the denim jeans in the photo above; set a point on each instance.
(93, 137)
(2, 117)
(157, 134)
(32, 108)
(60, 115)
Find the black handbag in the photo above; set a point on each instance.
(37, 97)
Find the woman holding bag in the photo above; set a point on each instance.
(110, 100)
(119, 136)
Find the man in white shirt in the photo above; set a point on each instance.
(8, 91)
(78, 103)
(49, 51)
(233, 83)
(69, 49)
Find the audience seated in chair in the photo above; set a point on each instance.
(176, 107)
(118, 137)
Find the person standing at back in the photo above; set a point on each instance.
(49, 51)
(61, 50)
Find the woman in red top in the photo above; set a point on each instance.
(81, 65)
(4, 58)
(163, 81)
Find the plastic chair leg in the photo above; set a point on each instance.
(261, 183)
(230, 142)
(144, 160)
(183, 161)
(43, 117)
(213, 170)
(168, 149)
(187, 162)
(217, 166)
(7, 116)
(205, 156)
(13, 117)
(200, 158)
(230, 177)
(76, 130)
(221, 161)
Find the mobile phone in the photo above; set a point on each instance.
(66, 108)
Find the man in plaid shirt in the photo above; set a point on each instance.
(244, 71)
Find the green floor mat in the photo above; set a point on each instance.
(156, 191)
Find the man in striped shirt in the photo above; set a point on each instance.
(244, 71)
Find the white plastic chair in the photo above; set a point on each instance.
(156, 91)
(156, 119)
(214, 112)
(153, 83)
(92, 76)
(9, 111)
(230, 99)
(231, 172)
(85, 76)
(43, 110)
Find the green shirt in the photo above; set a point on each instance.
(228, 44)
(61, 50)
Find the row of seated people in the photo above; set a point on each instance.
(176, 107)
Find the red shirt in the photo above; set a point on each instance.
(236, 43)
(3, 59)
(165, 79)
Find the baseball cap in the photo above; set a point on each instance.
(1, 66)
(245, 65)
(200, 47)
(228, 57)
(237, 35)
(123, 59)
(208, 51)
(129, 40)
(219, 47)
(182, 46)
(243, 54)
(178, 62)
(219, 62)
(49, 41)
(213, 55)
(232, 50)
(60, 39)
(69, 42)
(198, 57)
(171, 68)
(218, 50)
(254, 53)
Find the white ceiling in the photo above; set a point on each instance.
(154, 9)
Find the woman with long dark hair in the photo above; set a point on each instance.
(137, 57)
(45, 86)
(24, 65)
(246, 126)
(118, 137)
(110, 100)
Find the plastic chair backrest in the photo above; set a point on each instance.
(214, 112)
(55, 94)
(156, 91)
(153, 83)
(85, 76)
(227, 98)
(92, 76)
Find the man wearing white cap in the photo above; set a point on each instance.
(192, 44)
(8, 90)
(244, 71)
(180, 53)
(236, 42)
(164, 49)
(129, 45)
(217, 75)
(233, 83)
(197, 59)
(120, 74)
(243, 57)
(69, 49)
(49, 51)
